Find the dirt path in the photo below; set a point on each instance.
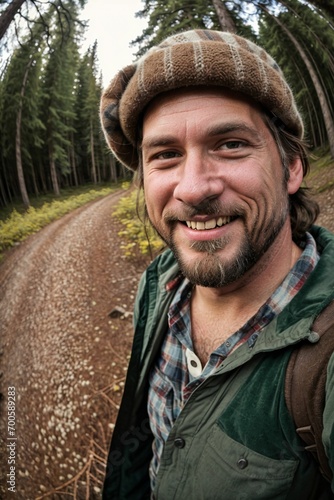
(63, 354)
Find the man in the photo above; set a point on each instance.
(211, 127)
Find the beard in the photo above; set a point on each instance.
(209, 269)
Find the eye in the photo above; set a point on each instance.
(232, 145)
(167, 155)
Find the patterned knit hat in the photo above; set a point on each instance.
(198, 57)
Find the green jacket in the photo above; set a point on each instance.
(235, 438)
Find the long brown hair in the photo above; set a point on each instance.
(304, 210)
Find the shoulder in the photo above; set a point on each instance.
(153, 282)
(324, 238)
(163, 268)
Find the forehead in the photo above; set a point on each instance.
(200, 110)
(184, 98)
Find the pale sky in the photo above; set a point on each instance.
(113, 24)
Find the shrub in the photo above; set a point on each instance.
(138, 236)
(18, 226)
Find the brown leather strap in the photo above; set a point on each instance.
(305, 386)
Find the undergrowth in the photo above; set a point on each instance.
(135, 234)
(19, 226)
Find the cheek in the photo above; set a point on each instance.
(261, 195)
(157, 196)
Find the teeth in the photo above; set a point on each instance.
(209, 224)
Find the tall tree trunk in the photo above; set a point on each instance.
(3, 193)
(8, 186)
(225, 20)
(124, 172)
(73, 161)
(8, 14)
(325, 6)
(34, 181)
(315, 130)
(53, 172)
(113, 171)
(328, 120)
(42, 176)
(104, 168)
(19, 166)
(94, 177)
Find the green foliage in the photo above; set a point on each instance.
(19, 226)
(89, 143)
(50, 133)
(137, 235)
(315, 36)
(167, 18)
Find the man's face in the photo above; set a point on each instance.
(213, 182)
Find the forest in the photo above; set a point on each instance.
(50, 135)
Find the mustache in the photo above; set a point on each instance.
(208, 207)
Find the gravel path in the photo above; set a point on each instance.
(63, 353)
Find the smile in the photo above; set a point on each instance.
(209, 224)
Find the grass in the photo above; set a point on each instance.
(320, 160)
(321, 175)
(39, 201)
(18, 223)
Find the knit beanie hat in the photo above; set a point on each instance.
(197, 57)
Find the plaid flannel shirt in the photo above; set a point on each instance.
(178, 371)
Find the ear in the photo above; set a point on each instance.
(296, 176)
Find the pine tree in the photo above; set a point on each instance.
(91, 151)
(49, 106)
(58, 104)
(19, 125)
(302, 42)
(167, 18)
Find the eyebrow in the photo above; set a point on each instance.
(153, 142)
(227, 128)
(213, 131)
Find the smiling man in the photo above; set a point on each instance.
(211, 127)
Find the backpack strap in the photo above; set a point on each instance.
(305, 387)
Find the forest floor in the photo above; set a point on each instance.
(63, 354)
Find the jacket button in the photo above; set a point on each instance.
(242, 463)
(179, 443)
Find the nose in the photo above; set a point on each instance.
(198, 180)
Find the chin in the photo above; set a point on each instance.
(218, 263)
